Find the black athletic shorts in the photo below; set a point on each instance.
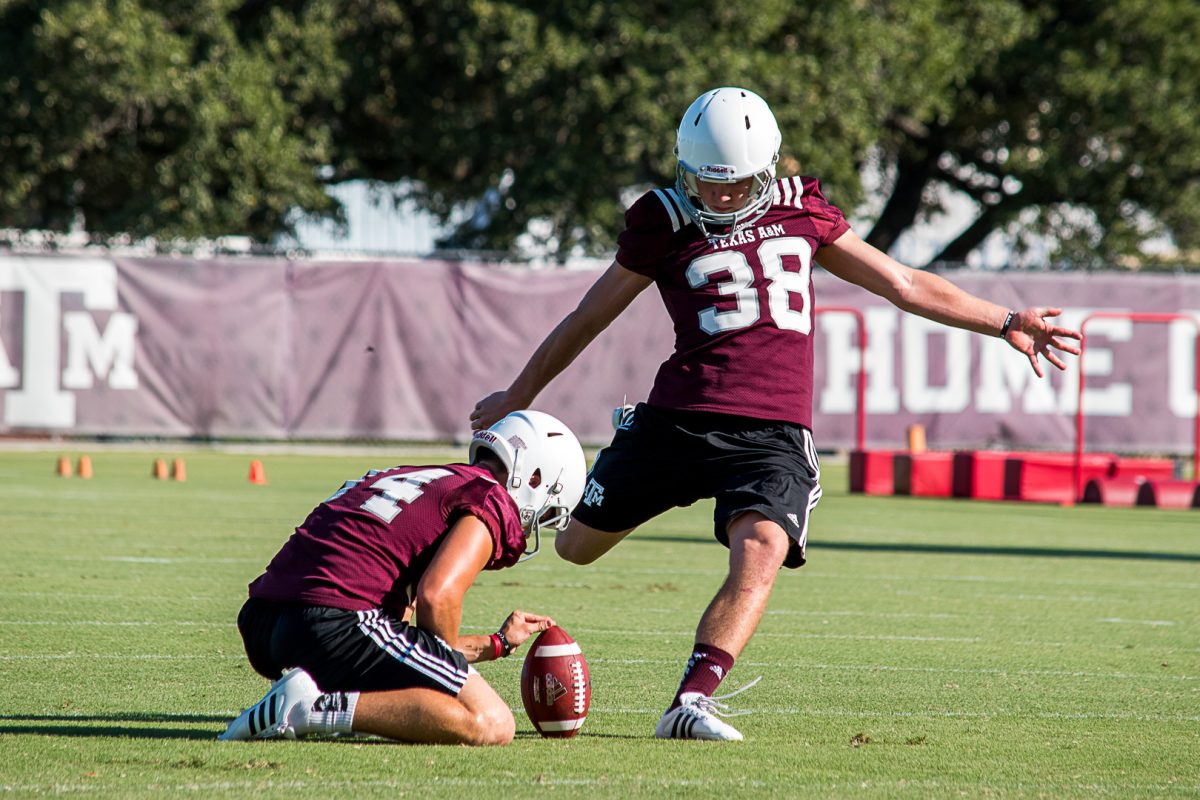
(664, 458)
(358, 651)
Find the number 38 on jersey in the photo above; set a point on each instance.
(789, 304)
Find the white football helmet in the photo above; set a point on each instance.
(727, 135)
(546, 469)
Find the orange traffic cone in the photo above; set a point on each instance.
(257, 473)
(179, 470)
(85, 467)
(159, 472)
(64, 467)
(916, 438)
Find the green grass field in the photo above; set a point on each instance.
(929, 649)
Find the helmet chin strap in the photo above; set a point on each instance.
(537, 544)
(514, 479)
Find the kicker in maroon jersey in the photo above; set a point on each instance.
(368, 545)
(742, 306)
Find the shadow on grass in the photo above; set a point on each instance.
(1024, 552)
(816, 545)
(129, 716)
(109, 731)
(535, 736)
(69, 725)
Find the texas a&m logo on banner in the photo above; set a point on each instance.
(55, 352)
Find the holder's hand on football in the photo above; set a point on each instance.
(492, 409)
(520, 626)
(1031, 334)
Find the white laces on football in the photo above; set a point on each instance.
(715, 704)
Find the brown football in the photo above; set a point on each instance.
(555, 684)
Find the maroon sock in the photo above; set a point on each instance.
(705, 670)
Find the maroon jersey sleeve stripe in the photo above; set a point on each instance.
(788, 192)
(675, 209)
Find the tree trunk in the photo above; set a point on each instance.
(903, 204)
(956, 251)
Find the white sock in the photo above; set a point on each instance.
(332, 712)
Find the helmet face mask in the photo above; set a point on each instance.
(546, 470)
(726, 136)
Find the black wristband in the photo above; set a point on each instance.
(1007, 324)
(505, 647)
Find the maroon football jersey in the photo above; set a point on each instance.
(367, 545)
(742, 306)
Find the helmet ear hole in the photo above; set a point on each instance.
(535, 480)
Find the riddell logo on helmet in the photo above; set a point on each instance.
(717, 170)
(486, 436)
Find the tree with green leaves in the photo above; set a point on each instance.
(1086, 120)
(166, 119)
(229, 116)
(578, 101)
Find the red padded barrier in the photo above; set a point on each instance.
(1050, 477)
(1154, 469)
(979, 474)
(1169, 494)
(871, 471)
(1112, 491)
(1020, 475)
(923, 474)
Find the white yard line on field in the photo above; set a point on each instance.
(163, 560)
(1053, 598)
(873, 578)
(800, 665)
(1057, 580)
(859, 714)
(631, 783)
(121, 597)
(791, 665)
(624, 633)
(118, 623)
(117, 657)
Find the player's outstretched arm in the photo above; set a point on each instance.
(611, 294)
(933, 297)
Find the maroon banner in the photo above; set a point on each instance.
(403, 349)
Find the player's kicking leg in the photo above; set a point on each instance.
(757, 549)
(615, 500)
(581, 544)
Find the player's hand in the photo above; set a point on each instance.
(491, 410)
(520, 626)
(1033, 335)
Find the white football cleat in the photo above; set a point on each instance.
(696, 717)
(282, 713)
